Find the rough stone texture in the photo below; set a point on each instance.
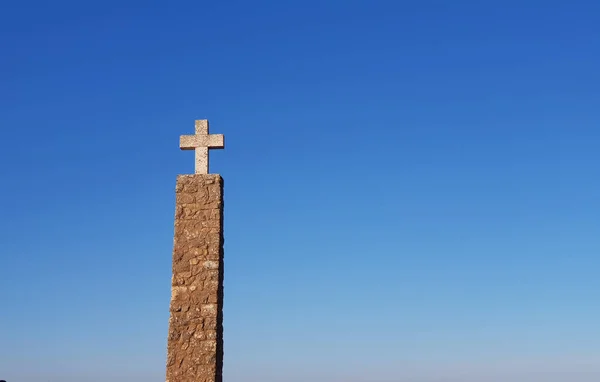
(195, 343)
(201, 142)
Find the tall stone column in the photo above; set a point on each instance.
(195, 342)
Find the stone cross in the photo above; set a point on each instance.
(201, 142)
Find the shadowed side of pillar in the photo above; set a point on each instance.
(195, 342)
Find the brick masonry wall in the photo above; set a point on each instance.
(195, 342)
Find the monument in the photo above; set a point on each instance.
(195, 340)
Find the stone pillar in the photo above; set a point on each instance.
(195, 343)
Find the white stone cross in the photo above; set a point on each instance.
(201, 142)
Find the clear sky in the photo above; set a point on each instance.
(412, 187)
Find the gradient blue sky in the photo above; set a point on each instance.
(412, 187)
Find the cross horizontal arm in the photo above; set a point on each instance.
(191, 142)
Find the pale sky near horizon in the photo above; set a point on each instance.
(411, 187)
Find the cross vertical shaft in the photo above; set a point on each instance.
(201, 160)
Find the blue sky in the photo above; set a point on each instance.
(411, 186)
